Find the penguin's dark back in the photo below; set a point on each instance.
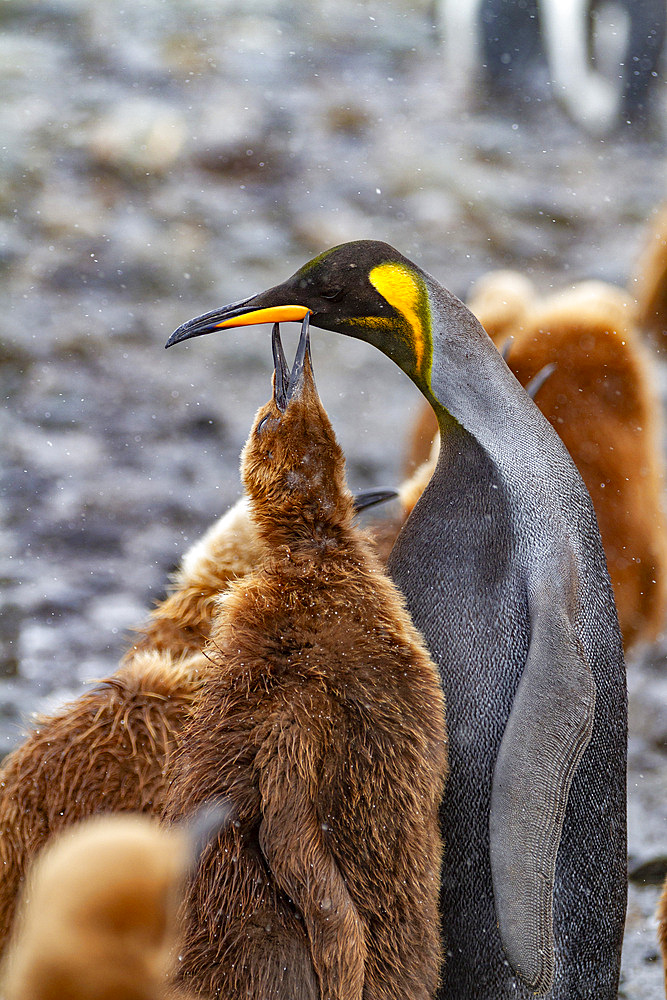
(463, 561)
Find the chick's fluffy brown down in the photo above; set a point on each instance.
(106, 752)
(322, 720)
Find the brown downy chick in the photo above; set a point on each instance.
(98, 915)
(661, 917)
(105, 752)
(502, 302)
(651, 282)
(322, 720)
(601, 400)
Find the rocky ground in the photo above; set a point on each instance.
(166, 156)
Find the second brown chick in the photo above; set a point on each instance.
(98, 915)
(181, 623)
(105, 752)
(651, 282)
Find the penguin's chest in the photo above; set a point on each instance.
(458, 566)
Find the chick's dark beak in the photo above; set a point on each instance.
(371, 498)
(288, 385)
(246, 312)
(281, 370)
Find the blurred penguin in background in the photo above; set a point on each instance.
(517, 42)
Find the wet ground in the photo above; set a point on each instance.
(165, 157)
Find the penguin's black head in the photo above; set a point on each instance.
(364, 289)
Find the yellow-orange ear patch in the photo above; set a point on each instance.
(404, 290)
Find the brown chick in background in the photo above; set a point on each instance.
(650, 283)
(601, 399)
(98, 915)
(602, 402)
(105, 752)
(661, 917)
(322, 720)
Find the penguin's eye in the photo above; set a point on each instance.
(333, 295)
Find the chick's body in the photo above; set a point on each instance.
(325, 728)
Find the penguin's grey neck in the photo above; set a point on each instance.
(472, 384)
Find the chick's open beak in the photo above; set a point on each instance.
(242, 313)
(288, 384)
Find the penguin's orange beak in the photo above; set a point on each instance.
(277, 314)
(237, 314)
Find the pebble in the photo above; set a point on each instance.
(138, 137)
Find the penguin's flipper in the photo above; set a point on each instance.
(547, 732)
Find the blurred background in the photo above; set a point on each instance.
(163, 157)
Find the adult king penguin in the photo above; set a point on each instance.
(503, 571)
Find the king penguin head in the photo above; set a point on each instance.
(364, 289)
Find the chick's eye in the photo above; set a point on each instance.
(333, 295)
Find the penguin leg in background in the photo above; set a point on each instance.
(588, 97)
(640, 65)
(548, 730)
